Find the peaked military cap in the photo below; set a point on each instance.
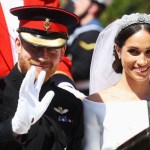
(43, 23)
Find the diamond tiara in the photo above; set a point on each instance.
(128, 20)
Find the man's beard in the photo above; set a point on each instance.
(84, 13)
(25, 65)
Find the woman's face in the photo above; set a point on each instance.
(41, 58)
(135, 56)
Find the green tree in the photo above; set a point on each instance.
(120, 7)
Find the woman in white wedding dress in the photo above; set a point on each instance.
(117, 113)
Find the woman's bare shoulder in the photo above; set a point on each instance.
(102, 96)
(94, 97)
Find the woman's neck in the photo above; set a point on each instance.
(140, 88)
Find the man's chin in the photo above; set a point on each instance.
(48, 74)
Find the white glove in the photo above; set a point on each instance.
(69, 87)
(30, 109)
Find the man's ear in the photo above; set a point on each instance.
(118, 51)
(18, 45)
(62, 52)
(93, 8)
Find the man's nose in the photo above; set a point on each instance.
(42, 54)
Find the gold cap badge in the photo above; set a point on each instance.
(47, 24)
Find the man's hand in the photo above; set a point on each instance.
(30, 109)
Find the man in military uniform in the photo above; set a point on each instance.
(62, 77)
(34, 111)
(82, 41)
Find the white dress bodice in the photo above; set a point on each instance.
(108, 125)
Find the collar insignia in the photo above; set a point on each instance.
(47, 24)
(60, 110)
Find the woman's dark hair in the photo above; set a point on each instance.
(122, 37)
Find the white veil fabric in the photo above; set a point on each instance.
(102, 74)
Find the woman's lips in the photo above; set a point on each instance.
(140, 70)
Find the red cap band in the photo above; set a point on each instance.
(43, 25)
